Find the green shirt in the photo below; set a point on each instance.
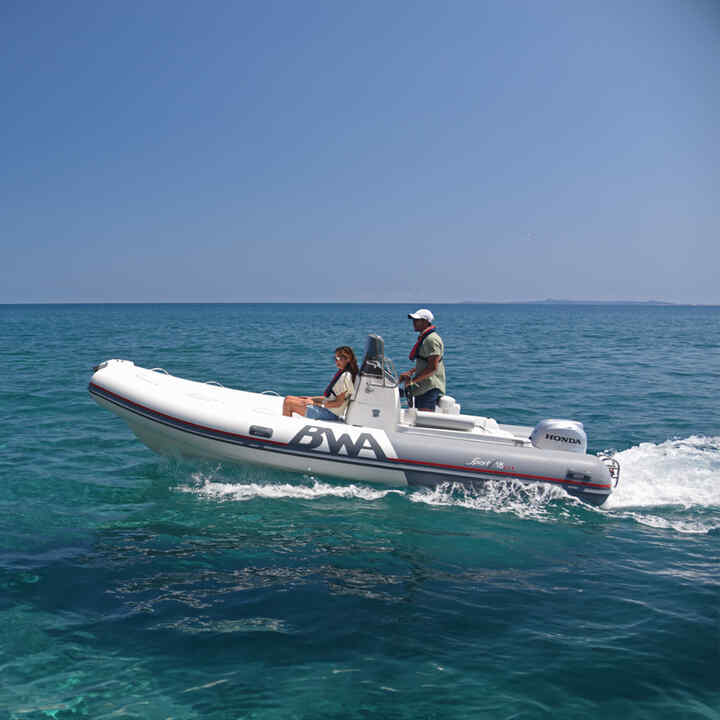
(431, 345)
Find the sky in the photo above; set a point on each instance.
(356, 152)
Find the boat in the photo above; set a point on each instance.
(380, 441)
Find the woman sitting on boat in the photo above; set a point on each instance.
(333, 403)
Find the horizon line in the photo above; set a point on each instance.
(549, 301)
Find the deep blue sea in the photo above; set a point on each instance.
(132, 586)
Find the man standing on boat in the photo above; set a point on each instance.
(426, 383)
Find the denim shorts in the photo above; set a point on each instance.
(428, 400)
(316, 412)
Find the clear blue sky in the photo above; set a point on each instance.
(335, 151)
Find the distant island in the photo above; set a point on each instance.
(551, 301)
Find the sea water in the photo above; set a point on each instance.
(132, 586)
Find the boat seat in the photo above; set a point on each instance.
(466, 423)
(420, 418)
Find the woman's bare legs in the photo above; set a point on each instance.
(294, 403)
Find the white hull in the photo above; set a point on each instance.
(178, 417)
(172, 442)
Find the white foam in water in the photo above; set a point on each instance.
(680, 479)
(681, 475)
(504, 496)
(676, 472)
(208, 487)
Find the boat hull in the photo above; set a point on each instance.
(183, 418)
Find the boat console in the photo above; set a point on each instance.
(376, 398)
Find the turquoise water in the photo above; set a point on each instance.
(136, 587)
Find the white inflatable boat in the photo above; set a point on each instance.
(380, 442)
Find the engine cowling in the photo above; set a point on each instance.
(567, 435)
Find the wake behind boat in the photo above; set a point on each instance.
(380, 441)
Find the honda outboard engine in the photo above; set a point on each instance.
(568, 435)
(376, 399)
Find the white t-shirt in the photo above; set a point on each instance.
(344, 384)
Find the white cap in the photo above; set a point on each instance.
(422, 314)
